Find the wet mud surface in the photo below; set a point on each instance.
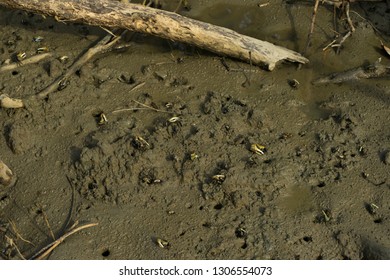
(172, 157)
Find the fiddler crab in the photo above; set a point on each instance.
(176, 120)
(218, 179)
(38, 39)
(162, 243)
(42, 50)
(140, 143)
(102, 119)
(19, 57)
(258, 149)
(173, 125)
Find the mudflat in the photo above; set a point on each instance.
(155, 142)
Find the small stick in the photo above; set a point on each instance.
(103, 45)
(313, 19)
(178, 6)
(342, 41)
(49, 248)
(151, 108)
(366, 20)
(12, 243)
(240, 69)
(137, 108)
(330, 45)
(348, 17)
(30, 60)
(128, 109)
(72, 203)
(224, 63)
(48, 225)
(18, 235)
(47, 222)
(137, 86)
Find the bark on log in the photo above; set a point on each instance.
(163, 24)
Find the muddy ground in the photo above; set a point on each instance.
(319, 191)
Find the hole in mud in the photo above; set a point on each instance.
(378, 221)
(106, 253)
(92, 186)
(259, 194)
(244, 246)
(201, 208)
(241, 233)
(224, 110)
(321, 185)
(14, 73)
(206, 225)
(262, 210)
(307, 239)
(75, 153)
(219, 206)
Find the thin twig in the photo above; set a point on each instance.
(48, 225)
(47, 222)
(313, 19)
(129, 109)
(342, 41)
(49, 248)
(108, 31)
(346, 8)
(137, 86)
(30, 60)
(18, 235)
(178, 6)
(151, 108)
(330, 45)
(12, 243)
(71, 203)
(146, 107)
(103, 45)
(369, 22)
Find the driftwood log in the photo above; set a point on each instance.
(164, 24)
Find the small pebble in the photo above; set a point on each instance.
(6, 175)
